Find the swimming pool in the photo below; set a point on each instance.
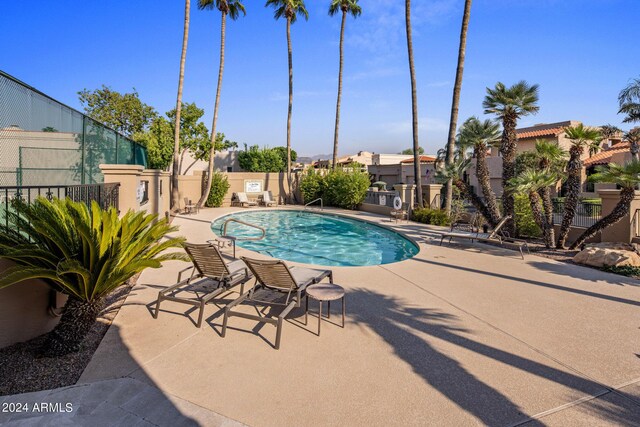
(321, 239)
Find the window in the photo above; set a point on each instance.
(229, 168)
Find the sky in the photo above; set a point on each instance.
(580, 52)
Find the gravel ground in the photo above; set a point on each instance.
(23, 371)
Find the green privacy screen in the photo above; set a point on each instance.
(43, 142)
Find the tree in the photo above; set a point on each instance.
(282, 152)
(175, 191)
(194, 135)
(125, 113)
(633, 136)
(455, 102)
(553, 159)
(289, 9)
(530, 182)
(352, 7)
(481, 136)
(233, 9)
(509, 104)
(409, 151)
(629, 101)
(414, 106)
(608, 131)
(627, 177)
(158, 140)
(256, 159)
(83, 252)
(581, 137)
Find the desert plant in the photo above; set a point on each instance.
(84, 252)
(530, 182)
(219, 187)
(431, 216)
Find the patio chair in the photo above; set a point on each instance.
(244, 200)
(402, 213)
(495, 236)
(189, 206)
(275, 281)
(208, 263)
(267, 199)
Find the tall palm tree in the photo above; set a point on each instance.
(457, 87)
(233, 9)
(627, 177)
(414, 106)
(633, 136)
(608, 131)
(629, 100)
(581, 137)
(482, 135)
(352, 7)
(530, 182)
(551, 158)
(289, 9)
(454, 172)
(175, 191)
(509, 104)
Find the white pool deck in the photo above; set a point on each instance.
(458, 335)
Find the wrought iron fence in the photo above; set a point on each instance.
(586, 215)
(105, 194)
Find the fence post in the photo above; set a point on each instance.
(129, 178)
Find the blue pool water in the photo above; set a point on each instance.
(321, 239)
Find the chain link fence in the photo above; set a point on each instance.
(44, 142)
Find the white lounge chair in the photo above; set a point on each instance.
(267, 199)
(244, 200)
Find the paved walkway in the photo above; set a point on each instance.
(458, 335)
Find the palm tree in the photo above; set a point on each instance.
(629, 100)
(414, 106)
(608, 131)
(633, 136)
(482, 135)
(531, 181)
(289, 9)
(550, 157)
(175, 191)
(457, 87)
(581, 137)
(509, 104)
(352, 7)
(84, 252)
(627, 177)
(454, 172)
(233, 9)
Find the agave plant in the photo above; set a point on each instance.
(84, 252)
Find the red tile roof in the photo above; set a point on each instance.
(423, 159)
(528, 133)
(604, 157)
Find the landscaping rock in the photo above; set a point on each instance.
(608, 254)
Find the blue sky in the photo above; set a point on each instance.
(581, 52)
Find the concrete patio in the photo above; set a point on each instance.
(459, 335)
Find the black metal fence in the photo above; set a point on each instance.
(105, 194)
(587, 214)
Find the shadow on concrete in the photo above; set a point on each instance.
(534, 282)
(585, 273)
(403, 328)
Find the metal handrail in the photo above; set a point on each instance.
(313, 201)
(224, 229)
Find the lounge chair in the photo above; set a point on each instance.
(495, 236)
(208, 263)
(244, 200)
(267, 199)
(275, 281)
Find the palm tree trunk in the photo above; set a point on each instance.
(634, 149)
(540, 219)
(547, 204)
(618, 212)
(212, 152)
(414, 107)
(508, 151)
(455, 103)
(182, 160)
(482, 173)
(76, 322)
(574, 169)
(335, 134)
(468, 193)
(290, 57)
(175, 191)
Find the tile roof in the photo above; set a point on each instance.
(604, 157)
(423, 159)
(528, 133)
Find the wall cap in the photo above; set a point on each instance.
(121, 169)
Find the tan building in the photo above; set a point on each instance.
(403, 173)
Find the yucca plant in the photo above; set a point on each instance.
(84, 252)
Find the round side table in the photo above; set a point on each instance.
(324, 292)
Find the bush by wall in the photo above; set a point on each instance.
(431, 216)
(311, 185)
(337, 188)
(525, 224)
(219, 187)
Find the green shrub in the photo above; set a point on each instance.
(431, 216)
(311, 185)
(525, 224)
(626, 270)
(345, 189)
(219, 187)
